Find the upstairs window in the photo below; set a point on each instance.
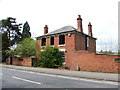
(87, 41)
(43, 42)
(61, 39)
(52, 40)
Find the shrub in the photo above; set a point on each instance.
(50, 58)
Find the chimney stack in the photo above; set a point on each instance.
(79, 24)
(45, 29)
(90, 29)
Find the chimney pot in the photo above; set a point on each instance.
(79, 24)
(45, 29)
(79, 16)
(90, 29)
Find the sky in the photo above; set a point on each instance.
(103, 15)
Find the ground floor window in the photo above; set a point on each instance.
(52, 40)
(63, 55)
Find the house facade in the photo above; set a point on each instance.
(78, 48)
(68, 38)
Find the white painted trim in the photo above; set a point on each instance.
(62, 50)
(61, 45)
(51, 45)
(42, 50)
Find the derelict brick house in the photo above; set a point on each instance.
(79, 48)
(69, 38)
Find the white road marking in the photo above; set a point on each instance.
(26, 80)
(73, 78)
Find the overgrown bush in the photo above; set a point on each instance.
(26, 48)
(50, 57)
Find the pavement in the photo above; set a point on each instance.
(79, 74)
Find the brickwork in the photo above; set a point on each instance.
(79, 42)
(91, 61)
(23, 62)
(8, 61)
(47, 41)
(80, 49)
(92, 45)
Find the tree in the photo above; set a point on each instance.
(5, 45)
(26, 30)
(10, 26)
(50, 58)
(26, 48)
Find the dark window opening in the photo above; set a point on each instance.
(86, 42)
(20, 59)
(43, 41)
(61, 39)
(117, 60)
(52, 41)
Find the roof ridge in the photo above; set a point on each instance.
(63, 29)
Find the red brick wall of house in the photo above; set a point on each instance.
(92, 45)
(25, 62)
(91, 62)
(56, 41)
(79, 42)
(69, 42)
(47, 41)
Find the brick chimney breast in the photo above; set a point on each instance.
(45, 29)
(79, 24)
(90, 29)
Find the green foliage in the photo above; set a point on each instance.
(5, 46)
(10, 52)
(10, 26)
(26, 48)
(26, 30)
(50, 58)
(107, 52)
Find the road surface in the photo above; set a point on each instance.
(12, 78)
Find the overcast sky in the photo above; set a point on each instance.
(103, 14)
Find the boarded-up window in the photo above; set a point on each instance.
(52, 40)
(61, 39)
(43, 42)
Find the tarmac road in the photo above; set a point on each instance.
(12, 78)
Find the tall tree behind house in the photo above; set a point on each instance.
(26, 30)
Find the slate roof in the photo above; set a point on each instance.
(61, 30)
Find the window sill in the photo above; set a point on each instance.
(51, 45)
(62, 45)
(43, 46)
